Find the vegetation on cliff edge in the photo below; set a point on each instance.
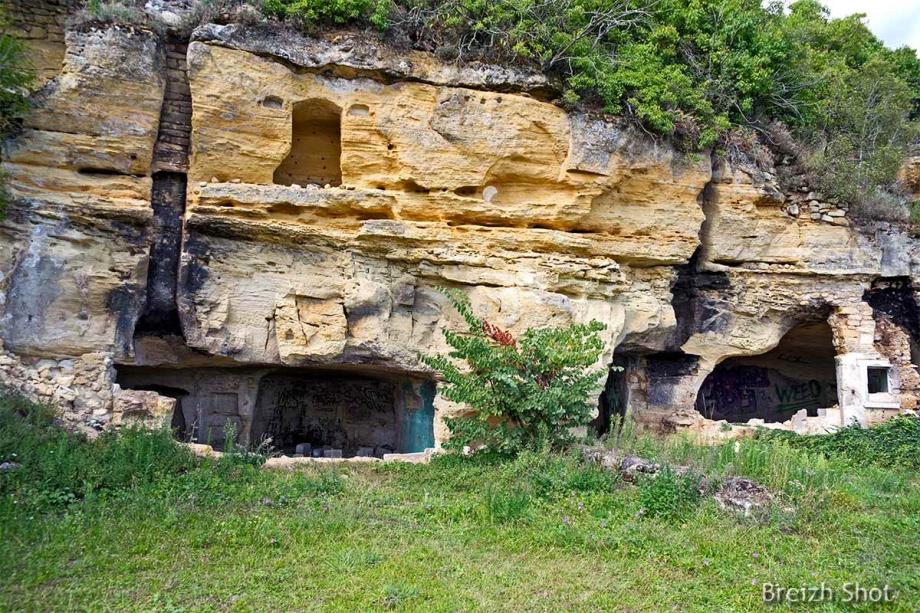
(740, 76)
(15, 79)
(704, 72)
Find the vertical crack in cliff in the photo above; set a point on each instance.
(707, 201)
(160, 316)
(695, 285)
(170, 152)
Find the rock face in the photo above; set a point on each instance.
(146, 408)
(202, 219)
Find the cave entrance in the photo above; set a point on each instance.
(611, 405)
(181, 424)
(184, 420)
(799, 373)
(303, 411)
(339, 414)
(316, 146)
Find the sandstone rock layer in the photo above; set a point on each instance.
(331, 186)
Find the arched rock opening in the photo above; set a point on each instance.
(614, 399)
(799, 373)
(316, 145)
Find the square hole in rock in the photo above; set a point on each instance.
(878, 379)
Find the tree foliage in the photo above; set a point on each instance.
(334, 12)
(15, 79)
(523, 393)
(858, 105)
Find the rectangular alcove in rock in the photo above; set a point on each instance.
(316, 146)
(295, 411)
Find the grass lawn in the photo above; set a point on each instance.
(167, 532)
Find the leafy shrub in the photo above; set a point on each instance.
(894, 443)
(330, 12)
(525, 393)
(16, 76)
(668, 495)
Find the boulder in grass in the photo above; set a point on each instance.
(631, 467)
(607, 458)
(743, 496)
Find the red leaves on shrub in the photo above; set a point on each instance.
(502, 337)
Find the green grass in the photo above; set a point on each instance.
(536, 533)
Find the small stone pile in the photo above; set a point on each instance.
(737, 494)
(816, 207)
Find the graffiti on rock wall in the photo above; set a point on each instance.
(338, 412)
(797, 396)
(738, 393)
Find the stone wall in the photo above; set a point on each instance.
(81, 388)
(41, 25)
(175, 129)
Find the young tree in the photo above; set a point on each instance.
(524, 393)
(15, 79)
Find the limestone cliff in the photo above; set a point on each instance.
(227, 219)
